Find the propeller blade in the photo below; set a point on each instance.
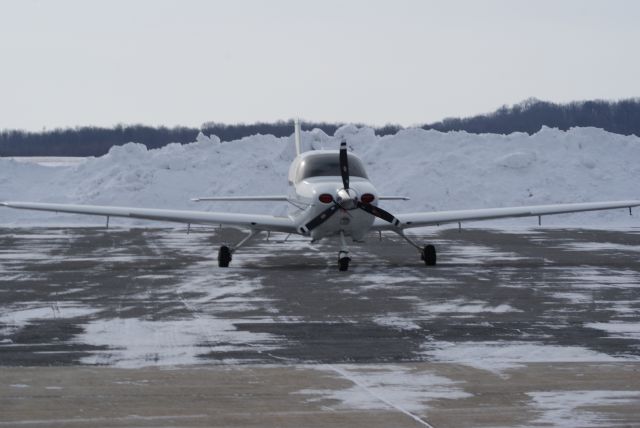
(344, 164)
(379, 212)
(319, 219)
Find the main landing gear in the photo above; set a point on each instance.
(427, 253)
(224, 256)
(225, 252)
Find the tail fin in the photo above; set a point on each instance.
(297, 136)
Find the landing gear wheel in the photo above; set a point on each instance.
(343, 261)
(429, 255)
(224, 256)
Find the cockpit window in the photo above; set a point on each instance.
(323, 165)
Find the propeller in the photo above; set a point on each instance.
(347, 199)
(379, 212)
(319, 219)
(344, 164)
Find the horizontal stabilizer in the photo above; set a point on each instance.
(281, 198)
(393, 198)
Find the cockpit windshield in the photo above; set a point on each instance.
(322, 165)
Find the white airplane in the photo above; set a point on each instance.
(330, 195)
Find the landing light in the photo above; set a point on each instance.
(367, 198)
(325, 198)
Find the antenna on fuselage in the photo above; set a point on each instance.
(296, 127)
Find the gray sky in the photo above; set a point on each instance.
(160, 62)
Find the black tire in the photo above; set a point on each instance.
(429, 255)
(343, 264)
(224, 256)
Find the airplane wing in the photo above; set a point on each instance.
(442, 217)
(253, 221)
(272, 198)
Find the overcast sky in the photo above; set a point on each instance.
(160, 62)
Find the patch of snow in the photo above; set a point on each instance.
(622, 307)
(381, 386)
(155, 276)
(618, 329)
(461, 254)
(599, 246)
(377, 280)
(574, 297)
(16, 318)
(228, 283)
(597, 278)
(134, 342)
(22, 255)
(575, 408)
(497, 356)
(398, 322)
(466, 306)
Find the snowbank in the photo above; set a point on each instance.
(438, 171)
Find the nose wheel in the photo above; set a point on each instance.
(343, 254)
(343, 261)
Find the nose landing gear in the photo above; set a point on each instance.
(343, 254)
(343, 261)
(427, 253)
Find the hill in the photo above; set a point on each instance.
(620, 117)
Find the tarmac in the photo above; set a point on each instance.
(139, 327)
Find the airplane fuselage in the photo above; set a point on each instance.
(305, 195)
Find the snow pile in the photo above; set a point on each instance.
(438, 171)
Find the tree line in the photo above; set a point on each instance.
(96, 141)
(622, 117)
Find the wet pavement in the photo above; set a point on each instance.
(78, 296)
(498, 302)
